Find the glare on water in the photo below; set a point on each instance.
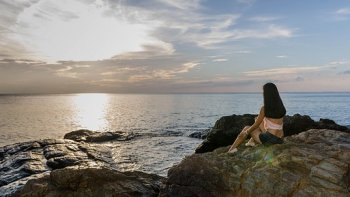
(91, 110)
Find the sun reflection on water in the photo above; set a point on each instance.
(91, 111)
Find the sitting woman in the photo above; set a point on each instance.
(268, 126)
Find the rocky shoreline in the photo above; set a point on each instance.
(314, 160)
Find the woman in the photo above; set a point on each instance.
(268, 126)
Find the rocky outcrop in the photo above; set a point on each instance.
(84, 135)
(92, 182)
(30, 160)
(311, 163)
(54, 165)
(227, 128)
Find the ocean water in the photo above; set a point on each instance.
(164, 120)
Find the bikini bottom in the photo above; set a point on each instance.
(268, 138)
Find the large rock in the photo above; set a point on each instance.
(311, 163)
(93, 182)
(227, 128)
(29, 160)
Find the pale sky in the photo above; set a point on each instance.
(173, 46)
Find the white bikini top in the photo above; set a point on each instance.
(268, 124)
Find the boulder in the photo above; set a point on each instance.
(92, 182)
(84, 135)
(227, 128)
(312, 163)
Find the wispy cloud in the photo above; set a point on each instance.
(282, 56)
(220, 60)
(343, 11)
(183, 4)
(340, 62)
(272, 31)
(242, 52)
(246, 1)
(341, 14)
(263, 18)
(281, 71)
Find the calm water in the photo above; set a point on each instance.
(172, 117)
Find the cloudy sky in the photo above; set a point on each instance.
(169, 46)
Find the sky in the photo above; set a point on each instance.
(173, 46)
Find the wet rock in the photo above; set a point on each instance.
(24, 161)
(93, 182)
(197, 134)
(227, 128)
(312, 163)
(93, 136)
(200, 134)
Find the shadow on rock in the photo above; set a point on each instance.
(93, 182)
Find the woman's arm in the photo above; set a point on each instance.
(257, 122)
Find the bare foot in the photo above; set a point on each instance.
(251, 143)
(232, 151)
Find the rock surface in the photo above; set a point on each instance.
(84, 135)
(92, 182)
(29, 160)
(311, 163)
(227, 128)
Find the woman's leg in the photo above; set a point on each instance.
(239, 140)
(251, 141)
(255, 135)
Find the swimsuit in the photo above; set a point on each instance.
(268, 124)
(267, 137)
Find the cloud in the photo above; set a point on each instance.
(263, 18)
(282, 56)
(272, 31)
(281, 71)
(183, 4)
(119, 46)
(341, 14)
(250, 2)
(50, 29)
(164, 74)
(343, 11)
(341, 62)
(220, 60)
(242, 52)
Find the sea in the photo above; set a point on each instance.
(164, 121)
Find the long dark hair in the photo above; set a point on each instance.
(273, 104)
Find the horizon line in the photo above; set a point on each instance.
(282, 92)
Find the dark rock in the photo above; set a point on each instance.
(225, 131)
(200, 134)
(227, 128)
(197, 134)
(24, 161)
(311, 163)
(330, 124)
(93, 136)
(78, 135)
(93, 182)
(296, 124)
